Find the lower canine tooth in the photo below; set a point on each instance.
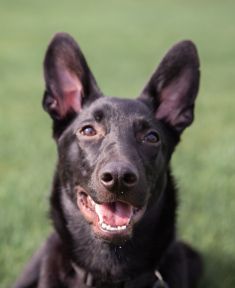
(103, 225)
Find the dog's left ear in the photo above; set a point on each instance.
(69, 81)
(173, 87)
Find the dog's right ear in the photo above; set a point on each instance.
(69, 81)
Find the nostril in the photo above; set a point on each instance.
(129, 179)
(107, 177)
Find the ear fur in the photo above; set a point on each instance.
(69, 81)
(173, 87)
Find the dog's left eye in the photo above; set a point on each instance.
(151, 137)
(88, 131)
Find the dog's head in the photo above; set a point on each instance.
(114, 153)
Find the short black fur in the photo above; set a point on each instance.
(114, 155)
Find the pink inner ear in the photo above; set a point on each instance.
(175, 101)
(71, 90)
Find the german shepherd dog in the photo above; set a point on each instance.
(113, 201)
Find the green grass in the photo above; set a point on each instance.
(123, 41)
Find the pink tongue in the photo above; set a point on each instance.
(114, 214)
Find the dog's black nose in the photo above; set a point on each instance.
(118, 175)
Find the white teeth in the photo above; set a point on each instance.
(111, 228)
(91, 201)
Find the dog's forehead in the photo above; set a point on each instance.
(118, 108)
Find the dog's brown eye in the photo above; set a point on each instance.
(152, 137)
(88, 131)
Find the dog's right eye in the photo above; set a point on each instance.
(88, 131)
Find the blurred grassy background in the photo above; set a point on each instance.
(123, 41)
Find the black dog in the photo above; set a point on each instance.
(113, 202)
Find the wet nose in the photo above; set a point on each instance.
(118, 175)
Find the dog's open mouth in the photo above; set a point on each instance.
(110, 218)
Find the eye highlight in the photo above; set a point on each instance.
(151, 137)
(88, 131)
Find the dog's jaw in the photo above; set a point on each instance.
(112, 221)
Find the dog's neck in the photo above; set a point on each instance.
(154, 278)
